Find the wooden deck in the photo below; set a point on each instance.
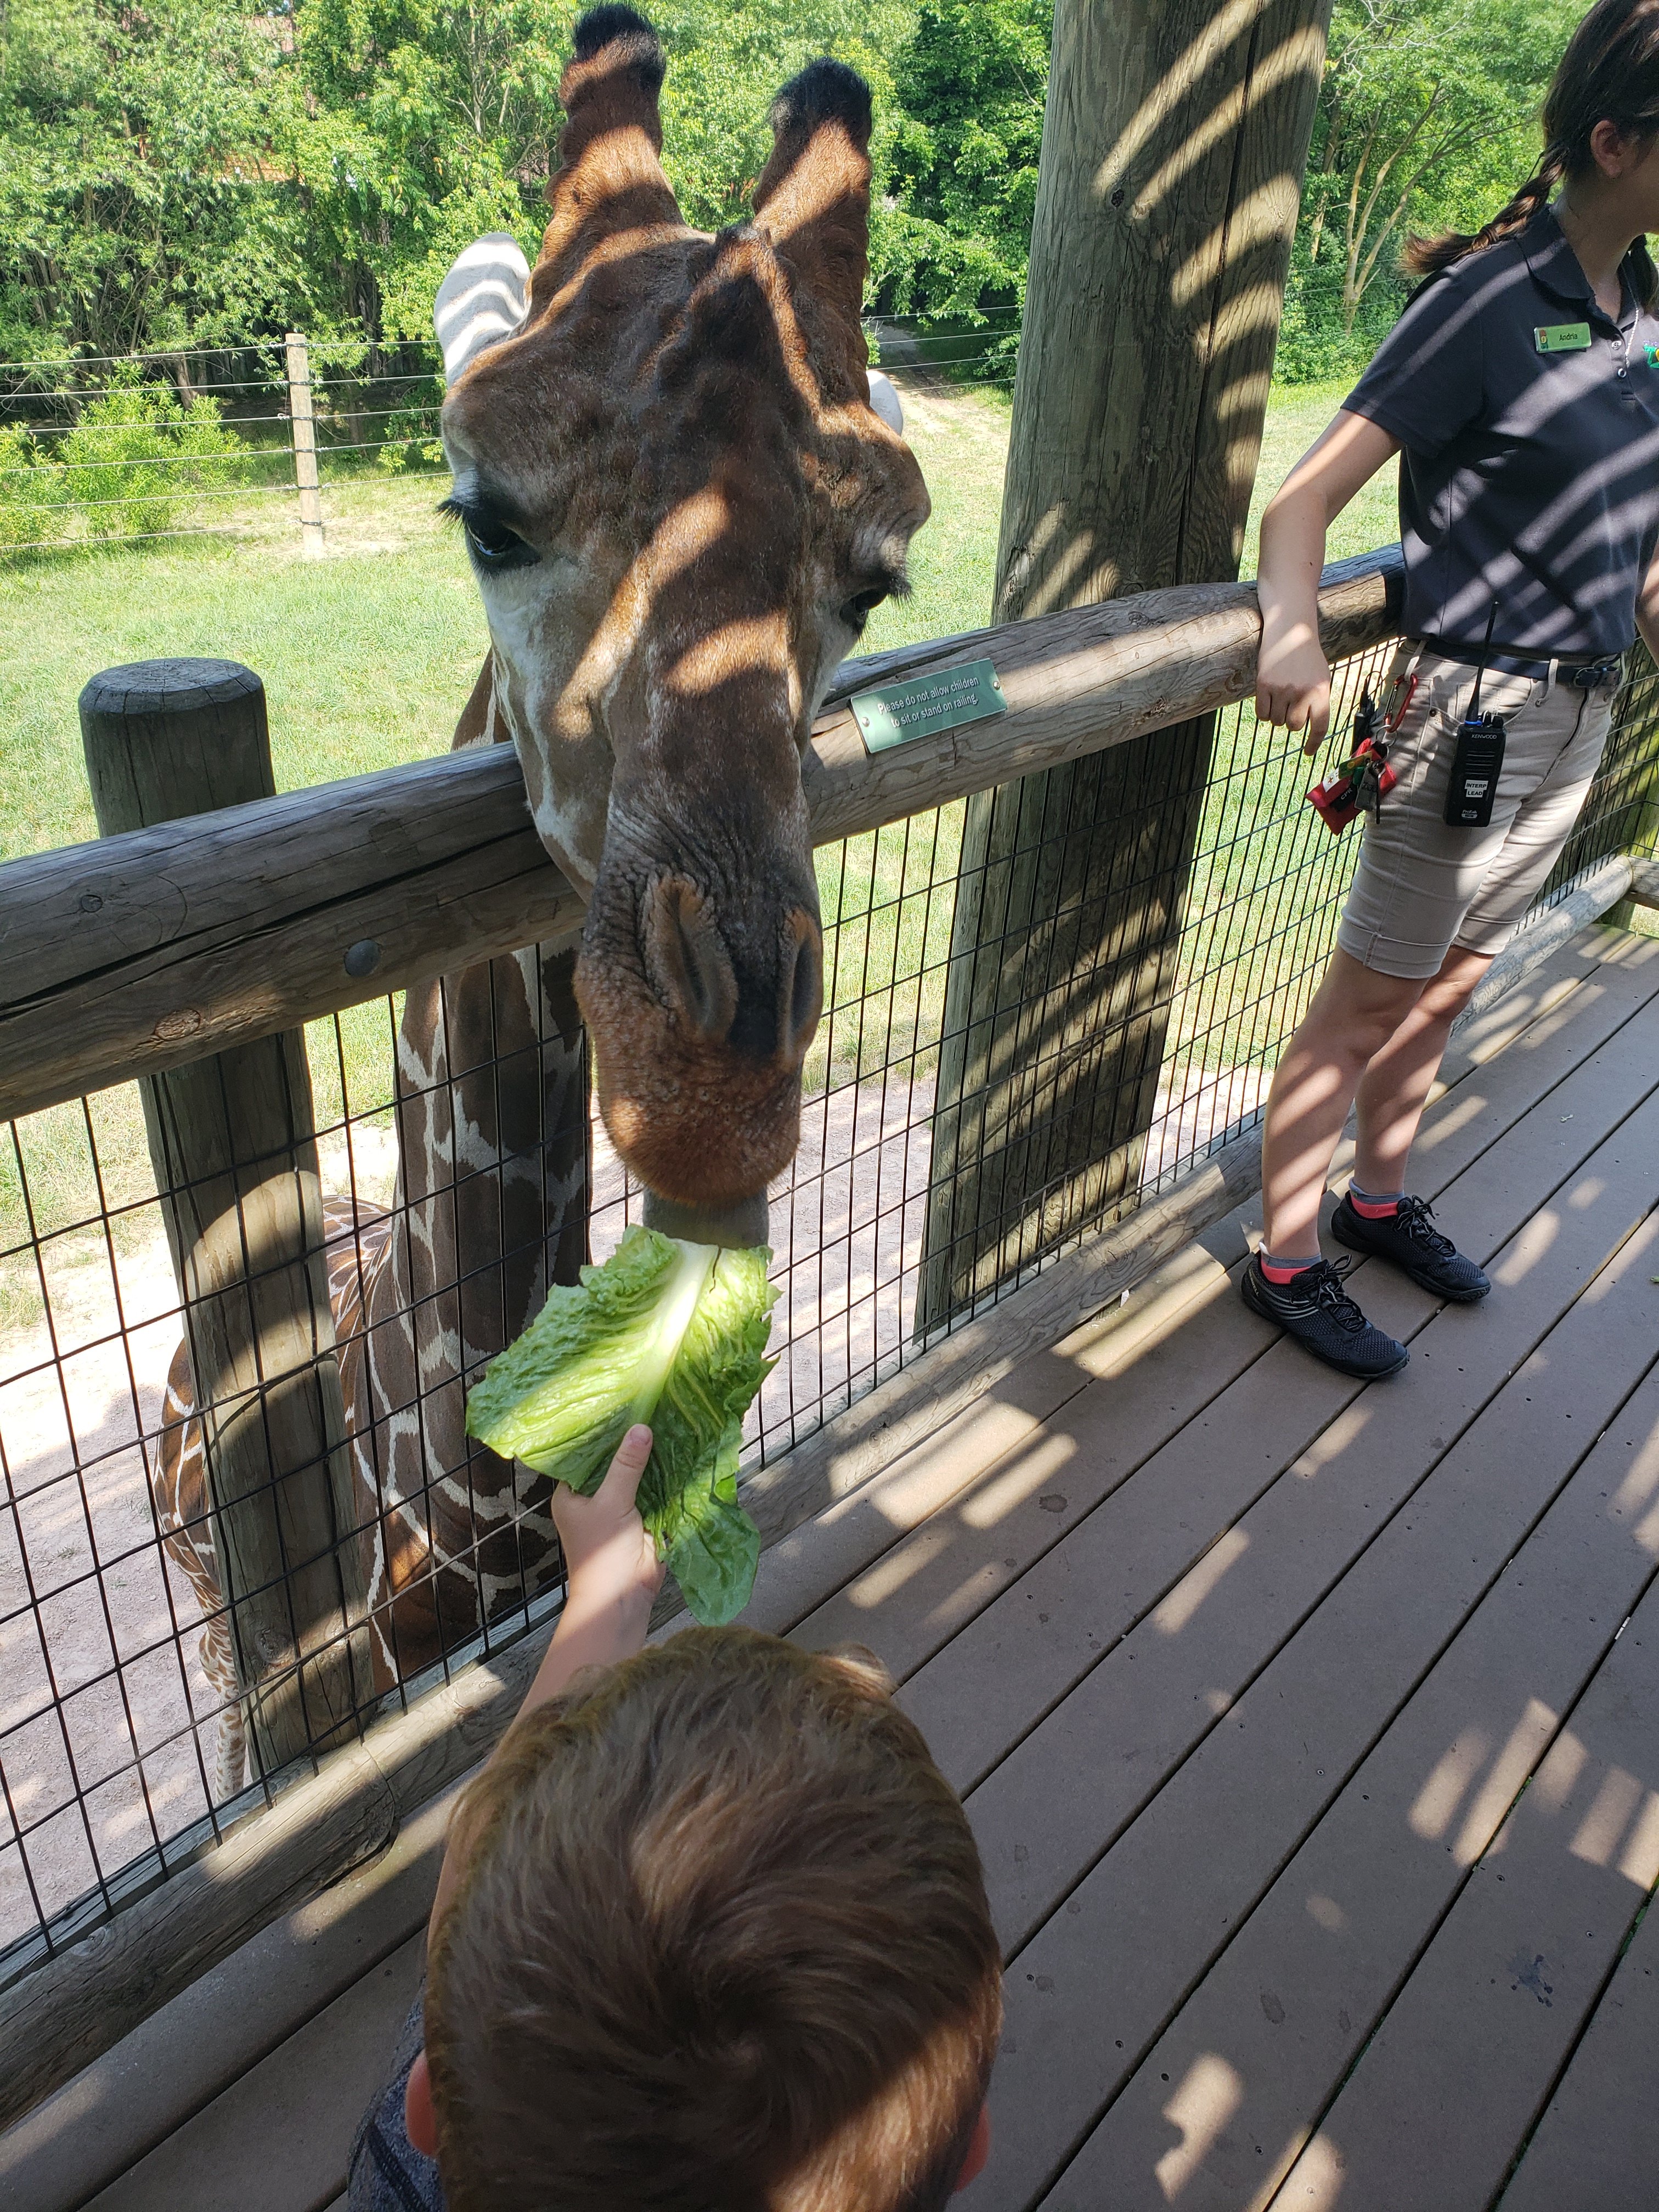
(1311, 1732)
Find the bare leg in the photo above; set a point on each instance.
(1355, 1014)
(1393, 1088)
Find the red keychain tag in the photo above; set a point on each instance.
(1363, 778)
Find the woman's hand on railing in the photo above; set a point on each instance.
(1293, 677)
(1293, 685)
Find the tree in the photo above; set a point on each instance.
(136, 174)
(972, 83)
(1427, 116)
(422, 125)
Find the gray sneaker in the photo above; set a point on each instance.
(1314, 1307)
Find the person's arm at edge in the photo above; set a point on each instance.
(612, 1577)
(1647, 609)
(1293, 678)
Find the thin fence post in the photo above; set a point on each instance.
(298, 355)
(232, 1142)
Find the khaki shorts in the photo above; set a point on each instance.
(1420, 888)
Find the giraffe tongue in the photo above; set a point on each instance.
(737, 1228)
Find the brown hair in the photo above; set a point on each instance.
(1609, 73)
(721, 1940)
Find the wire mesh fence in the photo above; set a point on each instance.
(148, 447)
(127, 1740)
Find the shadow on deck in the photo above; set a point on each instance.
(1310, 1732)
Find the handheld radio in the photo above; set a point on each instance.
(1478, 760)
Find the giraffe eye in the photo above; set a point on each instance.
(857, 610)
(491, 544)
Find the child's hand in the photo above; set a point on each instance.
(610, 1559)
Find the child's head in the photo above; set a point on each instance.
(721, 1938)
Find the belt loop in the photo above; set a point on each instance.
(1549, 681)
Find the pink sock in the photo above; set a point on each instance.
(1280, 1271)
(1370, 1207)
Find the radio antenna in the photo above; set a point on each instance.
(1474, 714)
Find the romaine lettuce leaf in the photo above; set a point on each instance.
(667, 1333)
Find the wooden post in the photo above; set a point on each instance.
(232, 1140)
(1174, 145)
(298, 355)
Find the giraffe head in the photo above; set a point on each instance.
(681, 504)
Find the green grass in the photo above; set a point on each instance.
(368, 656)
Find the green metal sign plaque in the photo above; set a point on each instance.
(899, 713)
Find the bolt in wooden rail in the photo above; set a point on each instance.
(144, 953)
(297, 354)
(231, 1139)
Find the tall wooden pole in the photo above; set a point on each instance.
(233, 1145)
(1174, 146)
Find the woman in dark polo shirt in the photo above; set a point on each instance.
(1520, 387)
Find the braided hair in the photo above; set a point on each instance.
(1609, 73)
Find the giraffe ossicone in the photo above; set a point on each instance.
(682, 490)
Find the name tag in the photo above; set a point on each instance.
(1562, 337)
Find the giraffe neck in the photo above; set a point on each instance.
(491, 1207)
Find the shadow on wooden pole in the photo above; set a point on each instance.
(233, 1143)
(1174, 144)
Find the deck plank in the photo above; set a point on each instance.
(1098, 1983)
(809, 1567)
(277, 2140)
(1293, 1541)
(1031, 1653)
(933, 1581)
(1251, 2060)
(1263, 1590)
(1429, 2119)
(1596, 2148)
(800, 1577)
(141, 2092)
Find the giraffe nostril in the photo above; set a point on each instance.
(688, 959)
(803, 986)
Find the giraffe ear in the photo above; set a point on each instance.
(813, 199)
(610, 176)
(483, 298)
(885, 401)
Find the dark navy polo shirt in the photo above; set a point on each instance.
(1530, 478)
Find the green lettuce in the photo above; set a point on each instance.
(667, 1333)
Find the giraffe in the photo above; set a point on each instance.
(682, 491)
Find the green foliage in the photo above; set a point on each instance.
(972, 84)
(1426, 122)
(137, 453)
(32, 492)
(191, 173)
(139, 205)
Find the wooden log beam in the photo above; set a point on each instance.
(145, 951)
